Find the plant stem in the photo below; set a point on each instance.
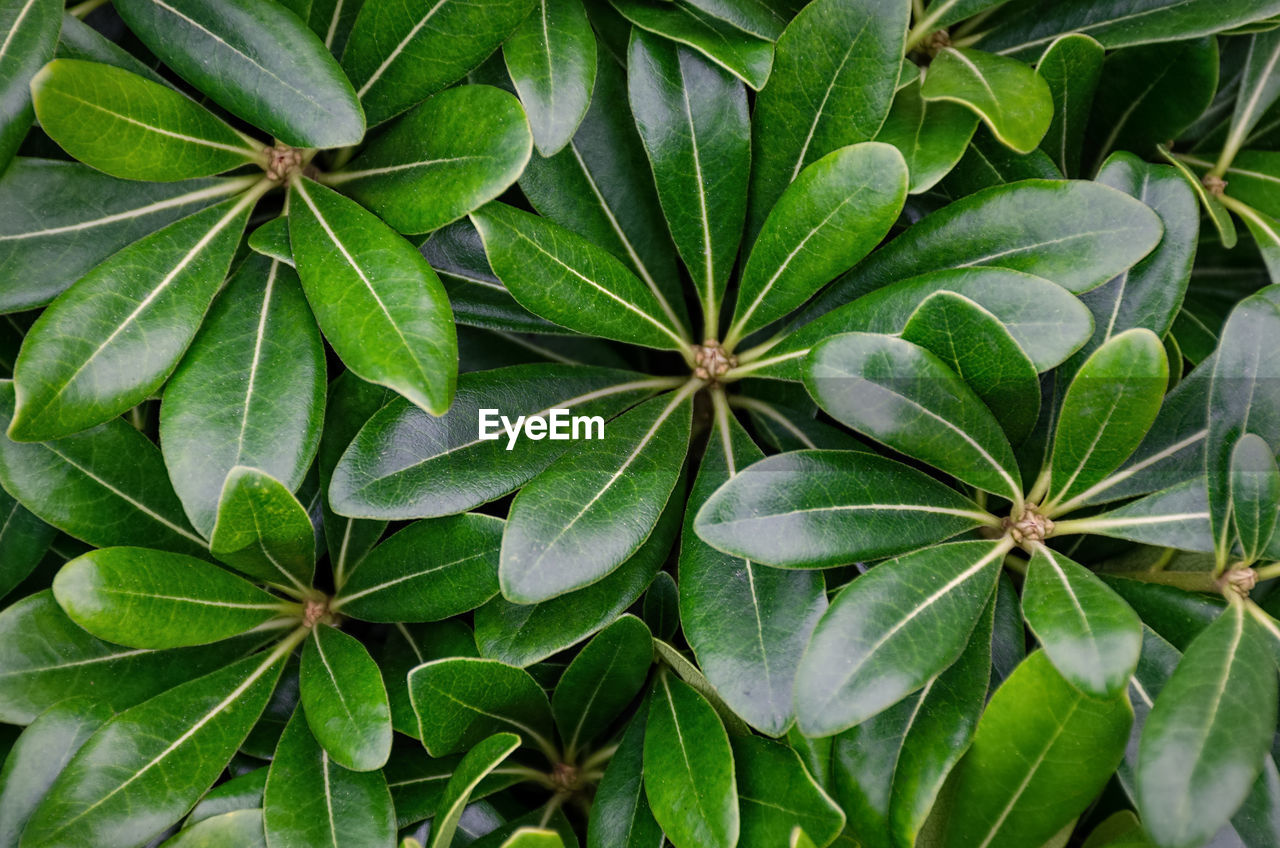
(81, 10)
(599, 757)
(1268, 572)
(771, 412)
(744, 370)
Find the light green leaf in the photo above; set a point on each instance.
(891, 631)
(388, 319)
(930, 136)
(1254, 494)
(1011, 98)
(745, 55)
(531, 837)
(131, 127)
(344, 699)
(482, 759)
(1218, 215)
(552, 61)
(255, 59)
(620, 814)
(460, 701)
(264, 532)
(452, 154)
(601, 681)
(31, 34)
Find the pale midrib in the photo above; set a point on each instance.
(1246, 114)
(1121, 476)
(977, 72)
(822, 104)
(347, 176)
(204, 602)
(333, 25)
(17, 26)
(981, 517)
(254, 363)
(76, 663)
(399, 48)
(328, 669)
(1100, 24)
(244, 152)
(1066, 587)
(1140, 521)
(773, 414)
(328, 797)
(708, 267)
(684, 751)
(1093, 445)
(346, 599)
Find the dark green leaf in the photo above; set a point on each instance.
(1071, 66)
(689, 769)
(1176, 517)
(131, 127)
(452, 154)
(1218, 214)
(311, 801)
(930, 136)
(811, 509)
(891, 631)
(263, 531)
(552, 61)
(417, 783)
(23, 542)
(31, 33)
(250, 390)
(377, 300)
(428, 571)
(482, 759)
(1011, 98)
(108, 342)
(748, 57)
(239, 793)
(775, 794)
(620, 814)
(660, 609)
(601, 681)
(409, 646)
(562, 533)
(345, 700)
(256, 60)
(241, 828)
(1254, 494)
(461, 701)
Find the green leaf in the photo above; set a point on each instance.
(1266, 236)
(404, 463)
(1089, 633)
(601, 681)
(620, 814)
(417, 783)
(930, 136)
(249, 392)
(892, 630)
(1258, 90)
(131, 127)
(1254, 494)
(23, 542)
(555, 273)
(1077, 234)
(242, 828)
(1205, 739)
(345, 700)
(428, 571)
(775, 794)
(264, 532)
(1108, 409)
(523, 634)
(693, 120)
(31, 33)
(552, 61)
(1024, 778)
(452, 154)
(78, 40)
(1071, 66)
(1176, 517)
(980, 350)
(143, 598)
(987, 162)
(1011, 98)
(660, 609)
(41, 752)
(461, 701)
(1120, 23)
(310, 800)
(108, 342)
(243, 792)
(1253, 176)
(482, 759)
(256, 60)
(836, 210)
(1218, 214)
(813, 509)
(106, 486)
(562, 530)
(148, 765)
(48, 658)
(398, 56)
(377, 300)
(849, 50)
(908, 399)
(1020, 302)
(408, 647)
(689, 768)
(745, 55)
(529, 837)
(271, 239)
(63, 218)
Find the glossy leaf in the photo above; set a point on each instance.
(775, 794)
(148, 765)
(398, 56)
(851, 50)
(811, 509)
(834, 212)
(1071, 66)
(31, 33)
(1176, 517)
(1255, 494)
(693, 121)
(131, 127)
(562, 532)
(530, 837)
(407, 464)
(552, 61)
(23, 542)
(601, 681)
(1218, 214)
(620, 813)
(930, 136)
(344, 700)
(311, 800)
(108, 342)
(249, 392)
(1089, 633)
(428, 571)
(106, 486)
(462, 701)
(905, 397)
(450, 155)
(408, 647)
(257, 61)
(745, 55)
(242, 828)
(143, 598)
(351, 264)
(892, 630)
(660, 608)
(1204, 741)
(263, 531)
(562, 277)
(1011, 98)
(1024, 778)
(689, 774)
(1108, 408)
(478, 762)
